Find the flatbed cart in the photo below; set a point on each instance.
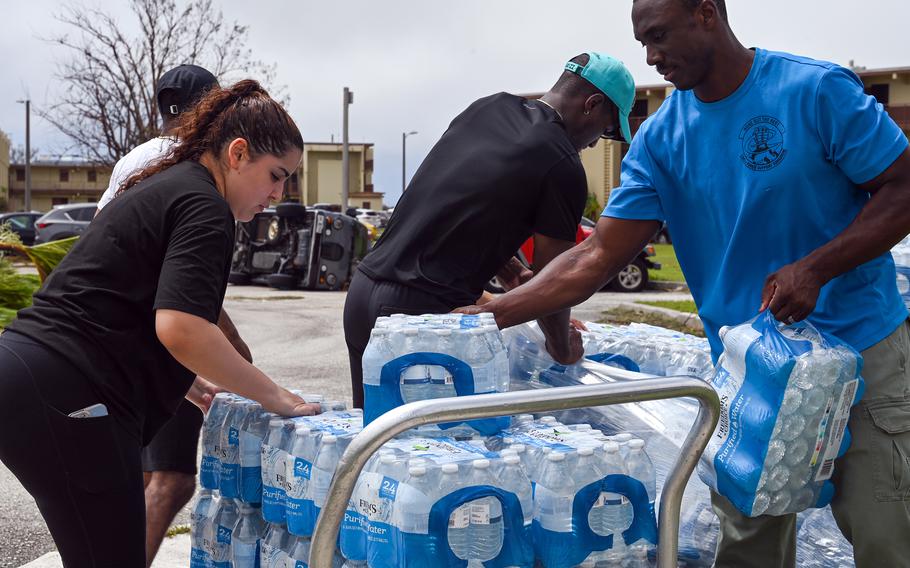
(456, 409)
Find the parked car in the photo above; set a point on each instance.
(23, 224)
(64, 221)
(292, 246)
(376, 218)
(632, 278)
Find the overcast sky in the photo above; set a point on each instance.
(414, 65)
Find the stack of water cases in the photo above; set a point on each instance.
(538, 492)
(412, 358)
(636, 347)
(901, 255)
(235, 522)
(785, 394)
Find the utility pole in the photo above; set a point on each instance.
(345, 153)
(28, 154)
(404, 152)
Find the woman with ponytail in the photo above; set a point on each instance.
(138, 299)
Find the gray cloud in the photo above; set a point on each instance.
(413, 65)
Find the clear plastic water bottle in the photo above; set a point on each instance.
(616, 511)
(514, 480)
(229, 479)
(299, 470)
(253, 431)
(413, 502)
(501, 375)
(323, 469)
(479, 357)
(641, 468)
(274, 466)
(247, 537)
(299, 553)
(441, 383)
(459, 528)
(272, 546)
(415, 380)
(554, 495)
(377, 353)
(199, 517)
(210, 468)
(623, 440)
(486, 515)
(225, 520)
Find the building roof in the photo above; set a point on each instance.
(61, 162)
(862, 72)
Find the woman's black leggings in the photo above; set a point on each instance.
(84, 473)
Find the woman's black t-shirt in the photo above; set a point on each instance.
(164, 244)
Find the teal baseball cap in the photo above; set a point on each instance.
(612, 78)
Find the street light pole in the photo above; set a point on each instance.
(404, 152)
(28, 154)
(345, 153)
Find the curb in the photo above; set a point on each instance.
(668, 286)
(174, 553)
(691, 321)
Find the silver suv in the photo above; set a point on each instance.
(64, 221)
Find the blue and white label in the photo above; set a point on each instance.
(223, 535)
(233, 436)
(388, 489)
(302, 468)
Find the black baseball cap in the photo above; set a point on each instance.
(185, 85)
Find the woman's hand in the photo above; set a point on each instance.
(202, 393)
(289, 404)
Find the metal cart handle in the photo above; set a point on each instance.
(457, 409)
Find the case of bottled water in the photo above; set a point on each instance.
(786, 394)
(593, 496)
(410, 358)
(314, 450)
(636, 347)
(901, 255)
(438, 501)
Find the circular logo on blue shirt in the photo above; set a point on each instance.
(762, 143)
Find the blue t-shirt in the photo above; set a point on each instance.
(759, 180)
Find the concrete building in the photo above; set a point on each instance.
(57, 181)
(319, 177)
(891, 86)
(74, 180)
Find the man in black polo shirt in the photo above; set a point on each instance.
(506, 169)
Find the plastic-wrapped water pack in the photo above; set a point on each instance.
(901, 255)
(786, 394)
(410, 358)
(664, 424)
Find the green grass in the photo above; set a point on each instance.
(624, 316)
(687, 306)
(669, 269)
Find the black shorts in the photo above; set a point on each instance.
(175, 446)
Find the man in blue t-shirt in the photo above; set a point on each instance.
(784, 186)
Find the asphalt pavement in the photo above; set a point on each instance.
(297, 339)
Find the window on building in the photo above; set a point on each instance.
(20, 174)
(92, 176)
(880, 91)
(64, 175)
(640, 108)
(59, 201)
(366, 204)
